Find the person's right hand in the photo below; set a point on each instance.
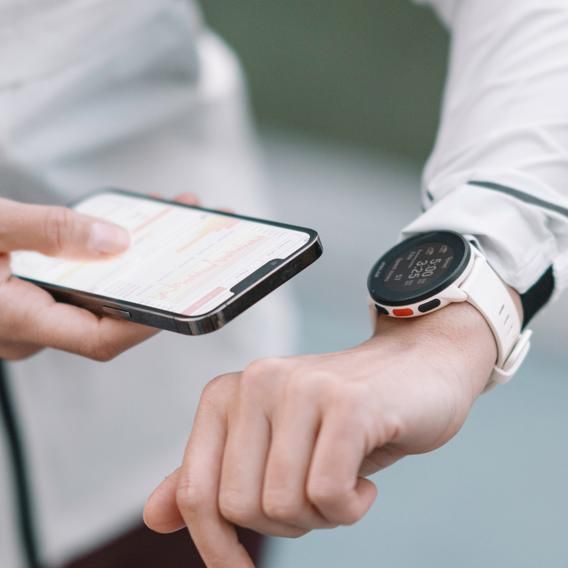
(30, 319)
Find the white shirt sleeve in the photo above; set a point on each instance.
(499, 168)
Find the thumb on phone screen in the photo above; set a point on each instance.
(58, 231)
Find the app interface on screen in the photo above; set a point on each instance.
(180, 260)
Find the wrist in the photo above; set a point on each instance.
(429, 271)
(457, 338)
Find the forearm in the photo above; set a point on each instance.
(505, 122)
(450, 334)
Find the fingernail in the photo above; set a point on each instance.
(108, 239)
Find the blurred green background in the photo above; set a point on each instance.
(368, 72)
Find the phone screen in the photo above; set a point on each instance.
(181, 259)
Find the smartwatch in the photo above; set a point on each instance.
(431, 270)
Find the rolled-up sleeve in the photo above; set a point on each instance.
(499, 168)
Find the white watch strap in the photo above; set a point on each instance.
(487, 292)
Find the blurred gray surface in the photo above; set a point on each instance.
(496, 495)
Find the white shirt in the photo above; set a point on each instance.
(504, 121)
(41, 37)
(159, 106)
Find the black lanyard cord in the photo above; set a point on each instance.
(8, 422)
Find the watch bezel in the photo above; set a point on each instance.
(462, 252)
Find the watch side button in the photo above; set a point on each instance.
(429, 306)
(403, 312)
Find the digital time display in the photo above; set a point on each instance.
(418, 267)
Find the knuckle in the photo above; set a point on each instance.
(351, 515)
(281, 507)
(297, 533)
(326, 494)
(237, 507)
(260, 375)
(102, 350)
(58, 223)
(260, 369)
(190, 500)
(323, 492)
(102, 356)
(216, 389)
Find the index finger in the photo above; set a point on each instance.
(199, 479)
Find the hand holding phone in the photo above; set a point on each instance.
(30, 319)
(188, 269)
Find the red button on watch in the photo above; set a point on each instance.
(402, 312)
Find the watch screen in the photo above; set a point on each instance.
(418, 268)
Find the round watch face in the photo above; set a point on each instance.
(418, 268)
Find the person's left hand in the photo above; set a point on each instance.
(30, 318)
(285, 446)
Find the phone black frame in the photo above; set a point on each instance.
(268, 280)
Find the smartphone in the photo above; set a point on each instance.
(189, 269)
